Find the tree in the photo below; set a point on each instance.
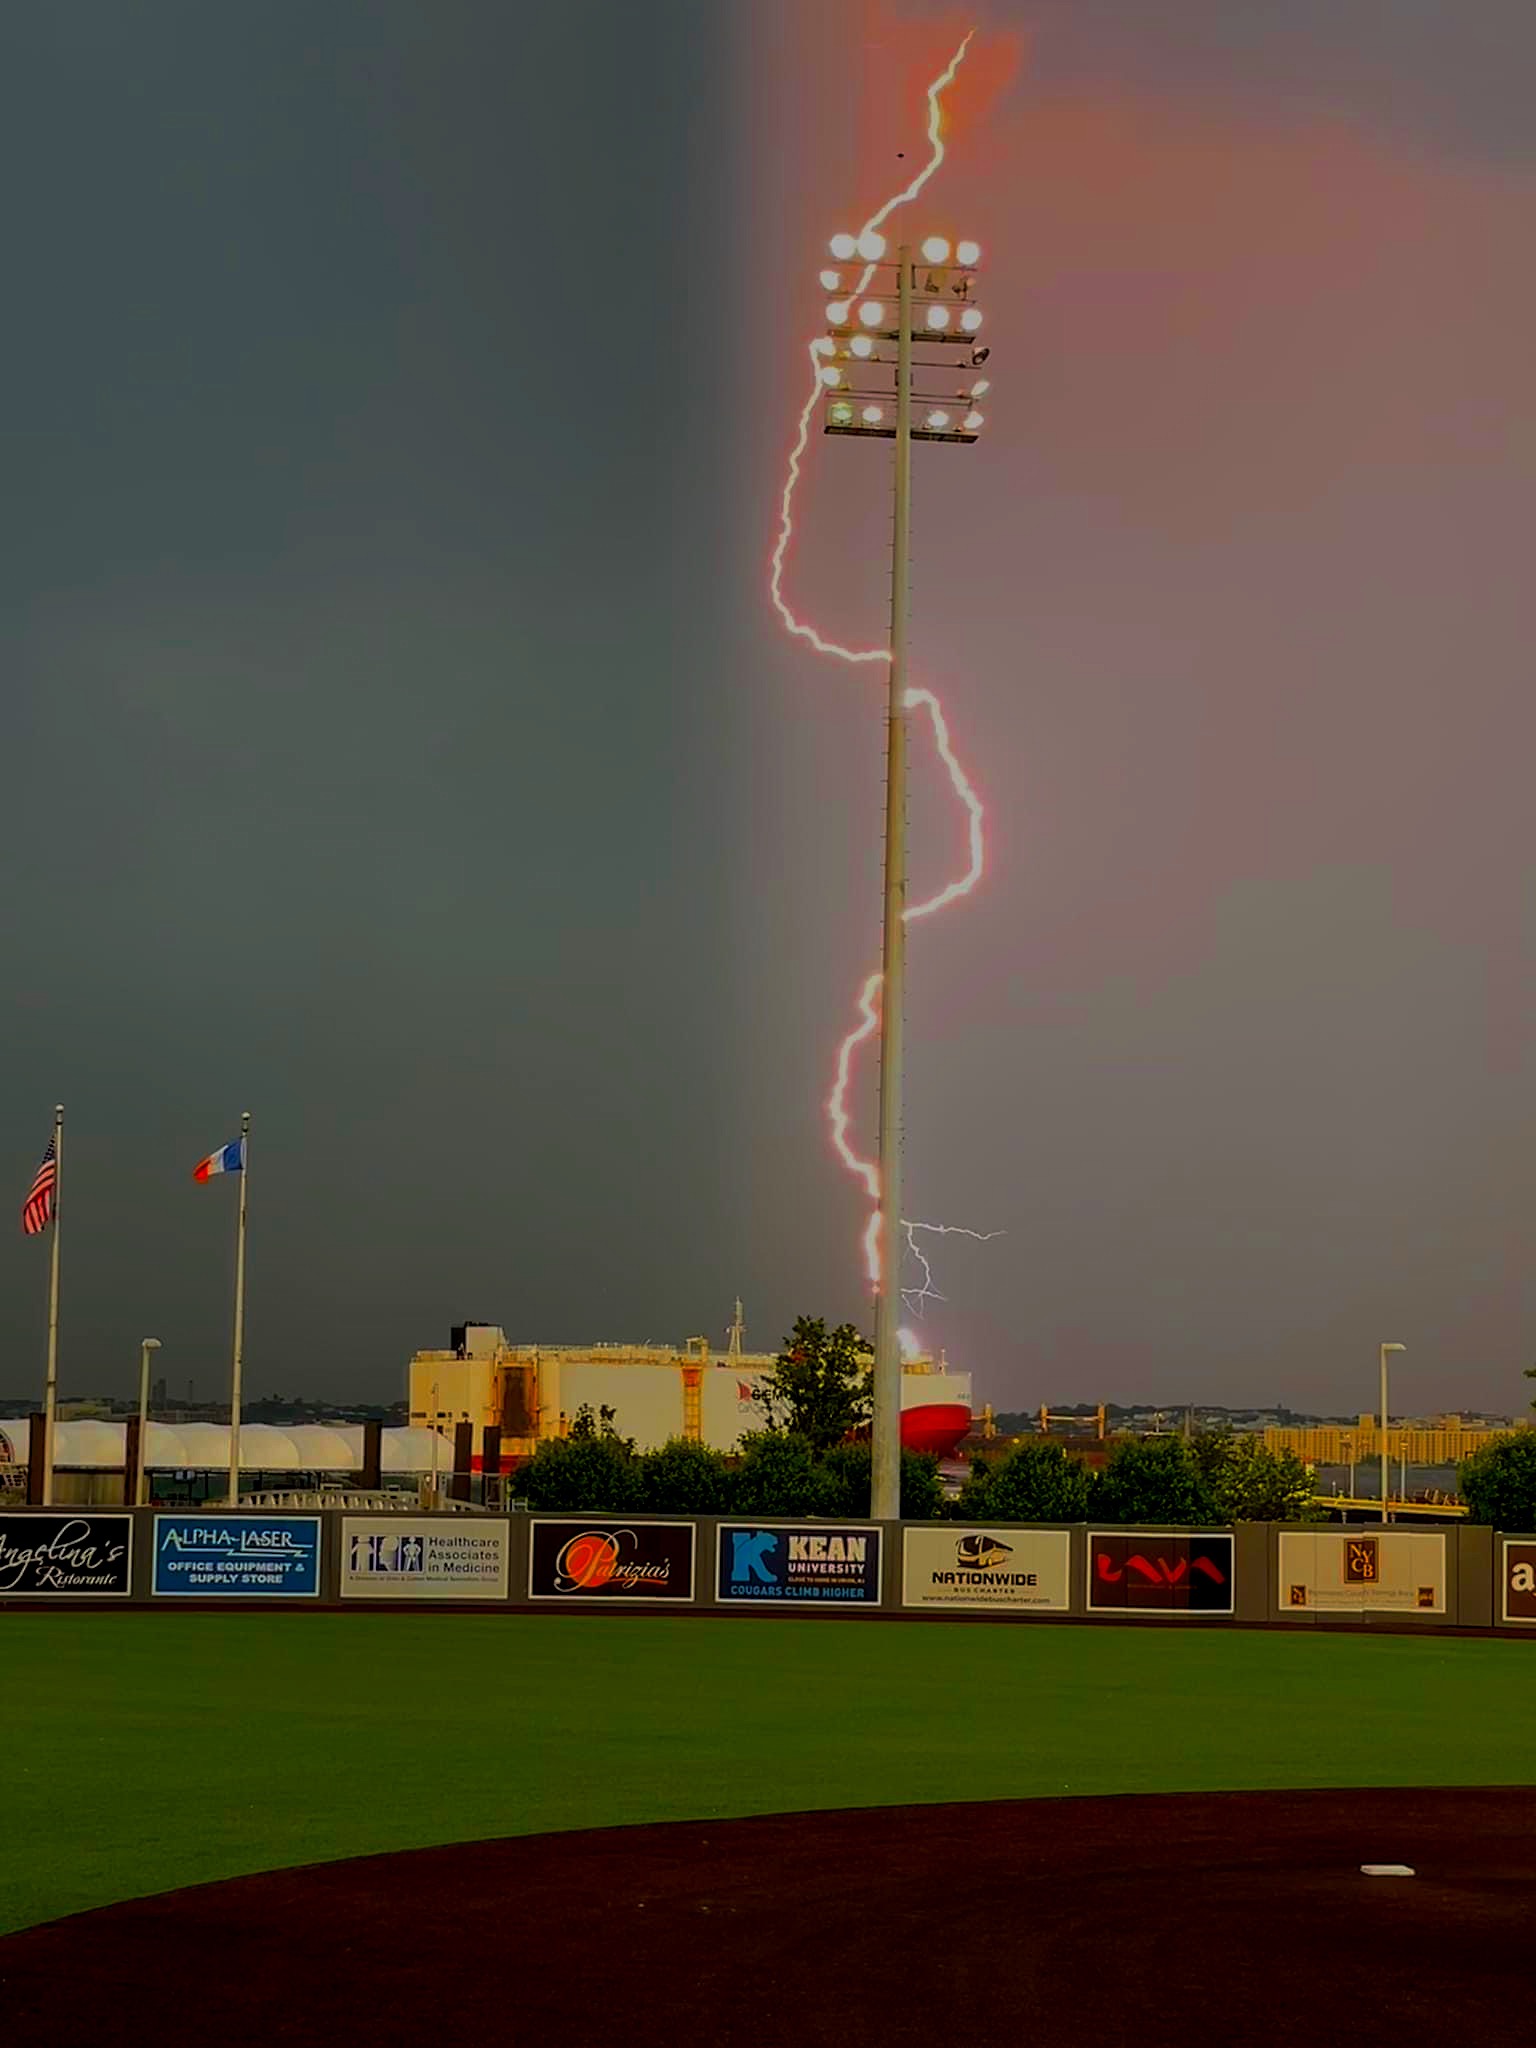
(1036, 1482)
(1498, 1483)
(1250, 1483)
(1154, 1479)
(846, 1484)
(685, 1478)
(778, 1477)
(593, 1471)
(821, 1385)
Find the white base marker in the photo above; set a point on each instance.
(1387, 1869)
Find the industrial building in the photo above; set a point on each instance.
(531, 1391)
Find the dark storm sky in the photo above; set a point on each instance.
(1232, 609)
(363, 730)
(398, 743)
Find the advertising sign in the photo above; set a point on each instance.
(212, 1555)
(424, 1557)
(1343, 1571)
(43, 1556)
(784, 1561)
(1133, 1572)
(572, 1560)
(1519, 1581)
(1008, 1569)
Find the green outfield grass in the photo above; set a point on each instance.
(145, 1751)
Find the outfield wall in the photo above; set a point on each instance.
(1285, 1574)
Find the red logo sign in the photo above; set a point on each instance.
(1161, 1574)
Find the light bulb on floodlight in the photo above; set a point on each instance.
(870, 245)
(872, 313)
(837, 313)
(981, 386)
(831, 377)
(970, 319)
(935, 250)
(823, 345)
(831, 280)
(973, 420)
(843, 247)
(862, 345)
(873, 415)
(968, 253)
(841, 414)
(938, 316)
(936, 420)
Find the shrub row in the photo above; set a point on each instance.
(1216, 1478)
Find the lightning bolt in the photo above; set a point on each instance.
(839, 1115)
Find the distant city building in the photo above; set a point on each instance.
(656, 1391)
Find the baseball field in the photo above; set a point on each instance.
(149, 1751)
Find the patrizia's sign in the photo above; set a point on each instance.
(43, 1557)
(571, 1560)
(1138, 1573)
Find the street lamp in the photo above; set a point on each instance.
(140, 1488)
(1384, 1350)
(873, 400)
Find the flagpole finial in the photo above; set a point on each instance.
(245, 1117)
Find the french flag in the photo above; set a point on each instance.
(228, 1159)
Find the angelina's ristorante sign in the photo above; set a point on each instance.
(50, 1556)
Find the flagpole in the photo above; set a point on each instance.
(234, 1377)
(51, 1389)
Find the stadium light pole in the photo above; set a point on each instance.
(1384, 1350)
(149, 1344)
(857, 347)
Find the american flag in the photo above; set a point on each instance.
(38, 1207)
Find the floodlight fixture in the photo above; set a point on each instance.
(968, 253)
(871, 245)
(973, 420)
(840, 414)
(844, 247)
(837, 313)
(981, 387)
(823, 345)
(873, 415)
(938, 420)
(831, 376)
(831, 280)
(970, 319)
(863, 345)
(938, 316)
(935, 250)
(979, 356)
(872, 313)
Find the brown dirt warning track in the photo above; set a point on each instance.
(1230, 1920)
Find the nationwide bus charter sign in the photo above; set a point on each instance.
(571, 1560)
(1136, 1572)
(424, 1557)
(784, 1561)
(244, 1555)
(978, 1569)
(45, 1556)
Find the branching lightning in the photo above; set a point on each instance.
(839, 1116)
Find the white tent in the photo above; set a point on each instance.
(93, 1446)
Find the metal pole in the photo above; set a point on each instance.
(1384, 1350)
(234, 1376)
(51, 1385)
(886, 1430)
(140, 1487)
